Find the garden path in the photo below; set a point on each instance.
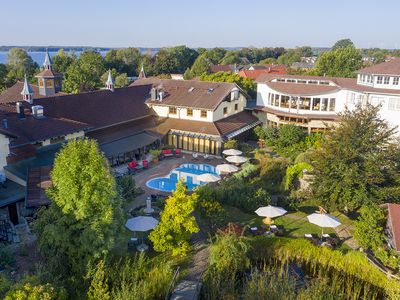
(189, 287)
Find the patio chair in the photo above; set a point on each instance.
(167, 153)
(275, 229)
(313, 238)
(195, 156)
(145, 164)
(178, 153)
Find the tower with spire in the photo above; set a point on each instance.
(49, 81)
(142, 74)
(110, 82)
(27, 92)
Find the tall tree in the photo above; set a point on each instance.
(80, 224)
(174, 60)
(342, 62)
(3, 77)
(84, 74)
(20, 63)
(177, 223)
(62, 61)
(343, 43)
(200, 66)
(357, 163)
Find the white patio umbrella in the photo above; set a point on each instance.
(141, 224)
(236, 159)
(323, 220)
(270, 211)
(208, 177)
(226, 168)
(232, 152)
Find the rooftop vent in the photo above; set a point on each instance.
(37, 111)
(210, 90)
(190, 89)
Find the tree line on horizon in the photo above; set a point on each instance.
(89, 71)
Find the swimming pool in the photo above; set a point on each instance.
(186, 172)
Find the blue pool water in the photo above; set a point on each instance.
(186, 172)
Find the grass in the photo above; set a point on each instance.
(294, 223)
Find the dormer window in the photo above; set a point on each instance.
(379, 80)
(395, 80)
(189, 112)
(225, 111)
(172, 110)
(235, 94)
(203, 114)
(387, 80)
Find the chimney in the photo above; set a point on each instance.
(153, 94)
(20, 110)
(5, 123)
(160, 95)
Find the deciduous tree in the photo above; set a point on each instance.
(357, 164)
(80, 224)
(20, 63)
(84, 73)
(177, 223)
(62, 61)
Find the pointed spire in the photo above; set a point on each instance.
(27, 92)
(47, 61)
(142, 74)
(110, 81)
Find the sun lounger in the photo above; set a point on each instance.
(313, 238)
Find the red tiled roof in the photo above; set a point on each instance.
(13, 94)
(235, 122)
(30, 129)
(222, 68)
(99, 108)
(391, 67)
(394, 220)
(301, 89)
(346, 83)
(188, 93)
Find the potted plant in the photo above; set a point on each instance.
(155, 154)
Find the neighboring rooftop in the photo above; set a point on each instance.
(13, 93)
(391, 67)
(394, 220)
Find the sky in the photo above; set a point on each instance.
(201, 23)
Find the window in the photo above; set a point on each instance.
(387, 79)
(394, 104)
(395, 80)
(312, 82)
(369, 78)
(49, 83)
(324, 104)
(41, 82)
(305, 103)
(172, 110)
(290, 80)
(189, 112)
(280, 80)
(225, 110)
(379, 80)
(316, 104)
(332, 104)
(285, 101)
(301, 81)
(236, 107)
(203, 114)
(324, 82)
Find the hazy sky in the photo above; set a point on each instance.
(205, 23)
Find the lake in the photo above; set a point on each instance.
(38, 56)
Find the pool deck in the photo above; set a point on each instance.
(163, 168)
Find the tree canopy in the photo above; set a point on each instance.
(62, 61)
(343, 43)
(177, 223)
(84, 73)
(80, 224)
(20, 63)
(174, 60)
(342, 62)
(357, 163)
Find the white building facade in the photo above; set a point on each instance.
(314, 102)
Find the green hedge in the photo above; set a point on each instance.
(349, 273)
